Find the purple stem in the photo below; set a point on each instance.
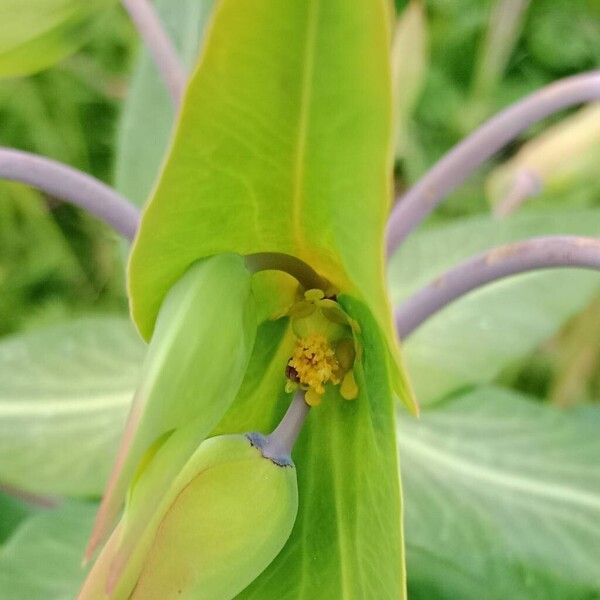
(279, 443)
(465, 157)
(159, 45)
(66, 183)
(497, 263)
(29, 497)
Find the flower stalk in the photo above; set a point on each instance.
(504, 261)
(66, 183)
(458, 164)
(278, 445)
(160, 46)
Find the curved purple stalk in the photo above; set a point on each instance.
(159, 45)
(474, 150)
(66, 183)
(278, 445)
(497, 263)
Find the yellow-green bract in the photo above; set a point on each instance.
(225, 517)
(283, 145)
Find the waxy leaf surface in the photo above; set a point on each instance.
(62, 387)
(502, 499)
(43, 557)
(34, 34)
(148, 111)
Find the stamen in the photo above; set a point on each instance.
(315, 362)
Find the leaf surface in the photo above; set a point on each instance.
(475, 338)
(148, 112)
(43, 558)
(12, 512)
(502, 499)
(64, 395)
(283, 145)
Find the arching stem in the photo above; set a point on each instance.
(278, 445)
(297, 268)
(65, 183)
(498, 263)
(473, 151)
(160, 46)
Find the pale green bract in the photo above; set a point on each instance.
(347, 541)
(220, 522)
(35, 34)
(191, 374)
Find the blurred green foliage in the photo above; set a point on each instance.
(55, 260)
(557, 38)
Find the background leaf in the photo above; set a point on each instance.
(475, 338)
(283, 145)
(148, 112)
(43, 558)
(502, 500)
(34, 34)
(64, 394)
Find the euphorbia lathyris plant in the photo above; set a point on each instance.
(275, 236)
(311, 229)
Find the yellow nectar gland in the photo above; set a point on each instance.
(315, 362)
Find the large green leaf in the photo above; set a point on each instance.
(283, 145)
(475, 338)
(192, 372)
(347, 540)
(35, 34)
(64, 394)
(148, 112)
(43, 558)
(502, 500)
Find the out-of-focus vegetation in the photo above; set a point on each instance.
(54, 260)
(482, 56)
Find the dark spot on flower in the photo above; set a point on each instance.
(292, 374)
